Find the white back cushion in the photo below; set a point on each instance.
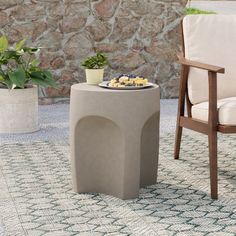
(211, 39)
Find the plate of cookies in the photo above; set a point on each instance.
(127, 82)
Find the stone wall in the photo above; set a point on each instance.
(139, 36)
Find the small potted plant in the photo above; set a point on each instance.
(94, 68)
(20, 75)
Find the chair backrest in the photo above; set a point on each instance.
(210, 39)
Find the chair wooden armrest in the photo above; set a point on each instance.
(199, 65)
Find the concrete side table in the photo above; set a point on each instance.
(114, 139)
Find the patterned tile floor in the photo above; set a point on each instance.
(36, 196)
(37, 199)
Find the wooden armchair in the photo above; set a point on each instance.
(210, 101)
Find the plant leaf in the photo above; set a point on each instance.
(35, 63)
(18, 77)
(8, 83)
(31, 50)
(3, 43)
(1, 78)
(43, 79)
(11, 54)
(20, 44)
(49, 79)
(39, 82)
(37, 75)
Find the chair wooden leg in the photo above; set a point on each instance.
(181, 107)
(178, 137)
(212, 135)
(212, 140)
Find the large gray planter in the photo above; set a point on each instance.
(19, 110)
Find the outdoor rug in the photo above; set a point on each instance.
(36, 197)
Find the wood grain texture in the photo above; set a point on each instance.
(212, 135)
(200, 65)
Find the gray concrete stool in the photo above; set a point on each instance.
(114, 139)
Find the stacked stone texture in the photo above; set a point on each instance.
(139, 36)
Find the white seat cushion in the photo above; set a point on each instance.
(226, 111)
(211, 39)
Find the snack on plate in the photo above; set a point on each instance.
(128, 81)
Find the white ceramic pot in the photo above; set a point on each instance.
(94, 76)
(19, 110)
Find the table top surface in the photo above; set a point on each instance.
(96, 88)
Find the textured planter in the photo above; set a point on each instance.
(94, 76)
(19, 110)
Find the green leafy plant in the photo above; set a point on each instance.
(195, 11)
(19, 67)
(98, 61)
